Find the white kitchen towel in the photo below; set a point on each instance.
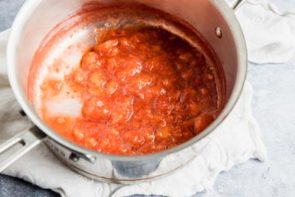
(235, 141)
(269, 29)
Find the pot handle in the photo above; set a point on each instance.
(237, 4)
(19, 145)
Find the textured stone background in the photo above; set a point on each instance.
(273, 106)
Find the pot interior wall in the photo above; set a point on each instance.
(202, 15)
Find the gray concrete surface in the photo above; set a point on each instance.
(273, 106)
(11, 187)
(8, 10)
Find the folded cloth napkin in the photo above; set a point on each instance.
(268, 30)
(235, 141)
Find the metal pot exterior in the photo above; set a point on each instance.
(212, 18)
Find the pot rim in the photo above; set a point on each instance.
(12, 48)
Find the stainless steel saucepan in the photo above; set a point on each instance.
(212, 18)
